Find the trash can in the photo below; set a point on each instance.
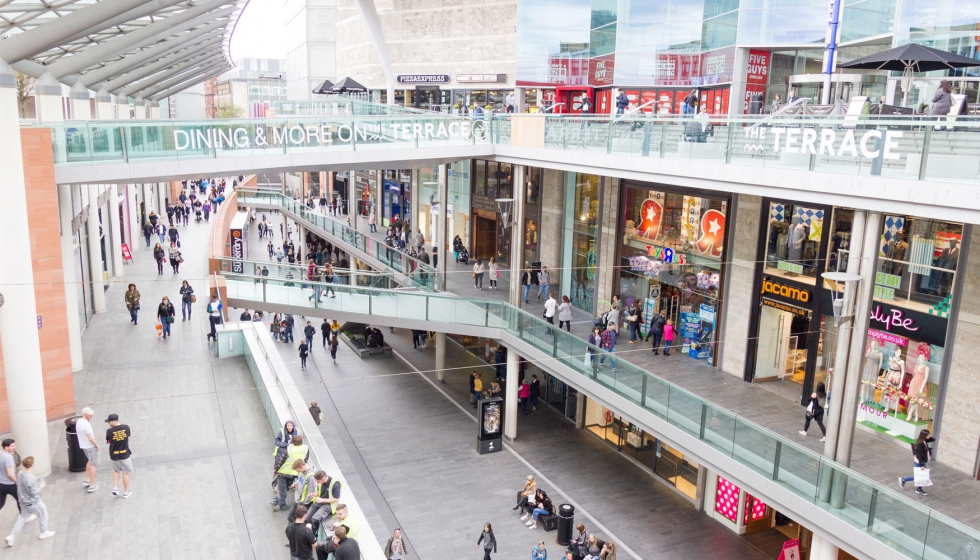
(566, 522)
(76, 457)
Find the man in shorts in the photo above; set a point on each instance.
(86, 440)
(117, 436)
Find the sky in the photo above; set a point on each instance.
(260, 31)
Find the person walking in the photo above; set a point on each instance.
(175, 258)
(488, 541)
(476, 387)
(161, 231)
(166, 313)
(316, 413)
(245, 317)
(657, 324)
(595, 339)
(478, 270)
(524, 393)
(544, 280)
(550, 308)
(147, 232)
(304, 352)
(309, 331)
(920, 458)
(395, 548)
(668, 336)
(288, 332)
(132, 299)
(621, 102)
(526, 282)
(815, 410)
(299, 537)
(187, 297)
(942, 101)
(372, 223)
(609, 337)
(535, 391)
(634, 316)
(325, 332)
(86, 441)
(494, 272)
(539, 552)
(214, 317)
(159, 255)
(117, 438)
(565, 314)
(8, 475)
(29, 498)
(173, 235)
(334, 342)
(275, 327)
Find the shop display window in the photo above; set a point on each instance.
(917, 261)
(793, 241)
(726, 499)
(581, 226)
(672, 256)
(680, 472)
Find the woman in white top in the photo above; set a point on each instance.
(478, 270)
(494, 274)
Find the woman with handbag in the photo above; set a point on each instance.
(175, 258)
(159, 255)
(494, 273)
(133, 302)
(920, 458)
(478, 270)
(633, 318)
(166, 314)
(187, 297)
(814, 410)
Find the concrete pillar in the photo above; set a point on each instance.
(510, 392)
(733, 336)
(146, 199)
(115, 228)
(103, 106)
(123, 112)
(959, 441)
(579, 410)
(609, 238)
(70, 267)
(139, 109)
(153, 110)
(351, 202)
(822, 549)
(134, 226)
(18, 316)
(163, 193)
(441, 357)
(47, 99)
(519, 95)
(736, 101)
(95, 249)
(440, 240)
(517, 237)
(550, 229)
(81, 107)
(377, 196)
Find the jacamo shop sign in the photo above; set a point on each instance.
(786, 292)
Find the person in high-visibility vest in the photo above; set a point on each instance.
(325, 544)
(305, 488)
(325, 503)
(286, 475)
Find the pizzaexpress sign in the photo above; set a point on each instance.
(263, 136)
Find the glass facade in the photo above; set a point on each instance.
(672, 259)
(581, 239)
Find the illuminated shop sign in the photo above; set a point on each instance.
(423, 79)
(792, 293)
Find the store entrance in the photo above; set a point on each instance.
(784, 331)
(485, 238)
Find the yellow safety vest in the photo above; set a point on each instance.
(333, 505)
(293, 452)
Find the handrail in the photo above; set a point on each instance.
(842, 492)
(800, 101)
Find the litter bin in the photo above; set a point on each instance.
(566, 522)
(76, 457)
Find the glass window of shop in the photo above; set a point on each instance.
(943, 24)
(532, 212)
(672, 260)
(799, 23)
(579, 253)
(793, 241)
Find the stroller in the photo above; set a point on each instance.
(198, 215)
(464, 256)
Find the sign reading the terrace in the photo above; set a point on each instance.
(871, 144)
(259, 136)
(423, 79)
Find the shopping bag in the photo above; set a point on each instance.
(922, 477)
(159, 328)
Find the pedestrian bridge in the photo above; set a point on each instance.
(890, 164)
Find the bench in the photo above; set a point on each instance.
(363, 351)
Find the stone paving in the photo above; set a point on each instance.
(201, 442)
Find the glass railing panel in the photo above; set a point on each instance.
(849, 497)
(798, 470)
(657, 397)
(947, 538)
(899, 523)
(629, 382)
(719, 429)
(408, 306)
(755, 447)
(684, 411)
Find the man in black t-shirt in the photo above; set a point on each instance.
(302, 543)
(117, 436)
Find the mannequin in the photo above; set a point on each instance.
(797, 234)
(894, 381)
(917, 387)
(872, 366)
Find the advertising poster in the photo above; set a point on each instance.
(649, 308)
(690, 323)
(706, 330)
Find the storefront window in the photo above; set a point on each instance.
(505, 181)
(793, 241)
(580, 256)
(672, 257)
(672, 466)
(532, 190)
(917, 262)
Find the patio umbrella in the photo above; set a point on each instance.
(347, 85)
(909, 59)
(324, 87)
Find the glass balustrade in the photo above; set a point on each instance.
(903, 524)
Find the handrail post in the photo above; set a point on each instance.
(775, 461)
(704, 423)
(643, 391)
(731, 142)
(924, 158)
